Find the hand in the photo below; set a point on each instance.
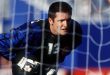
(28, 64)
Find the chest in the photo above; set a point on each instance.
(52, 45)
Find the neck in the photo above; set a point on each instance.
(52, 30)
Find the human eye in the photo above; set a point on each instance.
(61, 20)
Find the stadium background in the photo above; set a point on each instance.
(92, 57)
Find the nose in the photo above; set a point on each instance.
(65, 23)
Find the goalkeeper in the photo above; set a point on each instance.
(37, 47)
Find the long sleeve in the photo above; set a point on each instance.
(8, 41)
(28, 34)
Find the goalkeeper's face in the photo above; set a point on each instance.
(60, 24)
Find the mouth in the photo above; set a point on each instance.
(65, 30)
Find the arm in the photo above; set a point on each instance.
(17, 38)
(9, 40)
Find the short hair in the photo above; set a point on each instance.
(59, 7)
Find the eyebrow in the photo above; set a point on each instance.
(62, 20)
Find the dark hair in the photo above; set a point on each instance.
(59, 7)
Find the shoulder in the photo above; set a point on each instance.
(73, 22)
(75, 26)
(35, 24)
(39, 22)
(76, 30)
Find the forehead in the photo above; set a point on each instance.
(63, 15)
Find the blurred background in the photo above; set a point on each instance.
(93, 15)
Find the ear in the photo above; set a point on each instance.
(50, 21)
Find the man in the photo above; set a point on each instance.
(38, 46)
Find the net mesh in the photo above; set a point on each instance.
(93, 17)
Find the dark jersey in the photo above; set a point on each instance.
(33, 42)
